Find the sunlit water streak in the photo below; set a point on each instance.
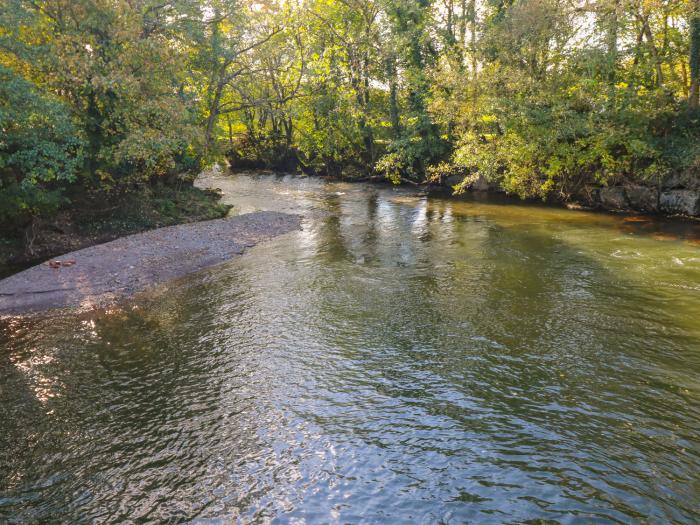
(403, 359)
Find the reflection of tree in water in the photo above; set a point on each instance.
(331, 243)
(20, 404)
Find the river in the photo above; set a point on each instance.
(403, 359)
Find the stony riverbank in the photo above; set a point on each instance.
(675, 196)
(102, 274)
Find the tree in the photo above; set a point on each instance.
(694, 58)
(541, 96)
(41, 150)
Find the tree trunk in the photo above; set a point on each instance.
(393, 99)
(612, 24)
(694, 62)
(30, 233)
(463, 23)
(646, 33)
(472, 37)
(450, 22)
(646, 29)
(213, 114)
(288, 133)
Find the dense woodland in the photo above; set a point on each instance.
(102, 99)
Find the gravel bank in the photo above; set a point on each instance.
(99, 275)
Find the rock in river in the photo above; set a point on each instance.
(686, 202)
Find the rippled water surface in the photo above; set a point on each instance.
(403, 359)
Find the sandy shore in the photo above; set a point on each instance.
(102, 274)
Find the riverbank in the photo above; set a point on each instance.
(78, 227)
(675, 198)
(102, 274)
(670, 202)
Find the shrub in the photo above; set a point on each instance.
(41, 150)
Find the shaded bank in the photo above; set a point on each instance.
(672, 199)
(104, 273)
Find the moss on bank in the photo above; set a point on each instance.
(101, 221)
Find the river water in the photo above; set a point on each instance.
(403, 359)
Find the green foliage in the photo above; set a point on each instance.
(546, 114)
(579, 134)
(440, 172)
(541, 97)
(393, 166)
(41, 150)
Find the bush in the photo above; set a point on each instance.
(585, 134)
(41, 151)
(393, 166)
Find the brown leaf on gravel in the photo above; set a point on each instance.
(58, 264)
